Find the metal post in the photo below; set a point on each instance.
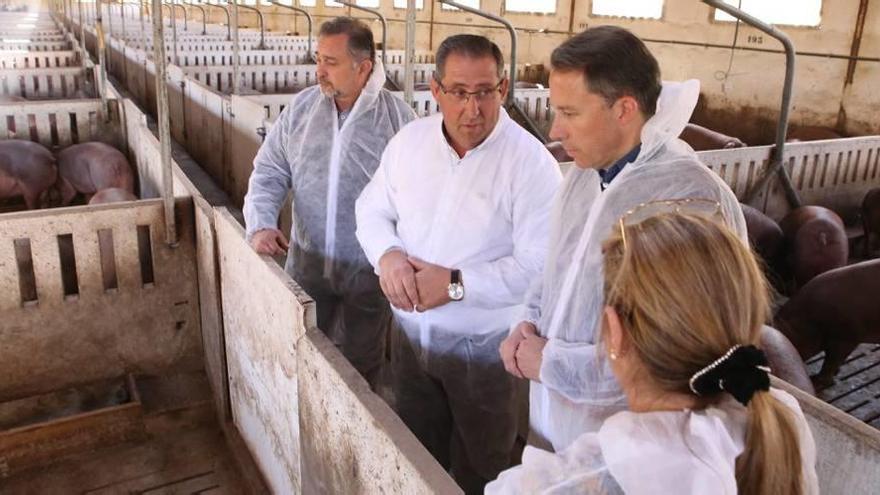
(185, 23)
(778, 159)
(173, 36)
(235, 68)
(204, 16)
(164, 124)
(109, 28)
(102, 60)
(262, 45)
(409, 53)
(228, 20)
(381, 19)
(512, 75)
(82, 33)
(308, 21)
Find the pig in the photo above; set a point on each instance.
(765, 235)
(784, 360)
(111, 195)
(89, 167)
(834, 312)
(810, 133)
(871, 218)
(555, 148)
(27, 169)
(815, 242)
(703, 139)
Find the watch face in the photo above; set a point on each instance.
(456, 292)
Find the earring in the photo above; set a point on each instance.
(612, 355)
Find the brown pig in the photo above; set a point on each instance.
(111, 195)
(810, 133)
(703, 139)
(871, 217)
(784, 360)
(834, 312)
(89, 167)
(815, 242)
(27, 169)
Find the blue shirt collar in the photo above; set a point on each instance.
(608, 174)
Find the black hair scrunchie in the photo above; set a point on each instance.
(741, 372)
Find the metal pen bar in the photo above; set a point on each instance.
(228, 18)
(236, 84)
(204, 16)
(185, 23)
(381, 19)
(262, 45)
(512, 76)
(308, 21)
(409, 50)
(164, 124)
(173, 36)
(778, 160)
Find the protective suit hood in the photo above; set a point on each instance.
(370, 92)
(674, 108)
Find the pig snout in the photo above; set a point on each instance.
(702, 139)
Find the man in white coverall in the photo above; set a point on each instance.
(455, 221)
(324, 148)
(620, 124)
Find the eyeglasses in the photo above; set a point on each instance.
(708, 208)
(461, 96)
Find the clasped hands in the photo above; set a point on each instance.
(411, 284)
(522, 351)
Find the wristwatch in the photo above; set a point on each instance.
(456, 287)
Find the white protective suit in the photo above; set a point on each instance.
(577, 391)
(326, 167)
(485, 214)
(683, 452)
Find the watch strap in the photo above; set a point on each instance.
(455, 277)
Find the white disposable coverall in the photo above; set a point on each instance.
(577, 391)
(683, 452)
(486, 214)
(326, 167)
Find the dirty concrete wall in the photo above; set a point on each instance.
(352, 442)
(689, 44)
(263, 317)
(82, 330)
(847, 450)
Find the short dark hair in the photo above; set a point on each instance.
(614, 62)
(360, 36)
(471, 46)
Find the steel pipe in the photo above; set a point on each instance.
(164, 125)
(308, 21)
(262, 45)
(778, 159)
(204, 16)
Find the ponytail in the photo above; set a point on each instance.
(771, 461)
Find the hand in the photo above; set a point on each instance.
(509, 345)
(433, 283)
(529, 353)
(397, 277)
(269, 241)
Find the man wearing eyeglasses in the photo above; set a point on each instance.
(455, 222)
(620, 124)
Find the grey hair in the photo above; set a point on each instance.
(471, 46)
(360, 37)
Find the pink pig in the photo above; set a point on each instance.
(89, 167)
(27, 169)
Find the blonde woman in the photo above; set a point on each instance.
(684, 305)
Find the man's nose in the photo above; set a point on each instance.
(472, 106)
(557, 130)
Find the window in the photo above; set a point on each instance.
(648, 9)
(531, 6)
(789, 12)
(470, 3)
(307, 3)
(368, 3)
(331, 3)
(401, 4)
(247, 2)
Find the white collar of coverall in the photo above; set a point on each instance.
(674, 109)
(370, 93)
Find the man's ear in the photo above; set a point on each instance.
(505, 87)
(627, 109)
(435, 88)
